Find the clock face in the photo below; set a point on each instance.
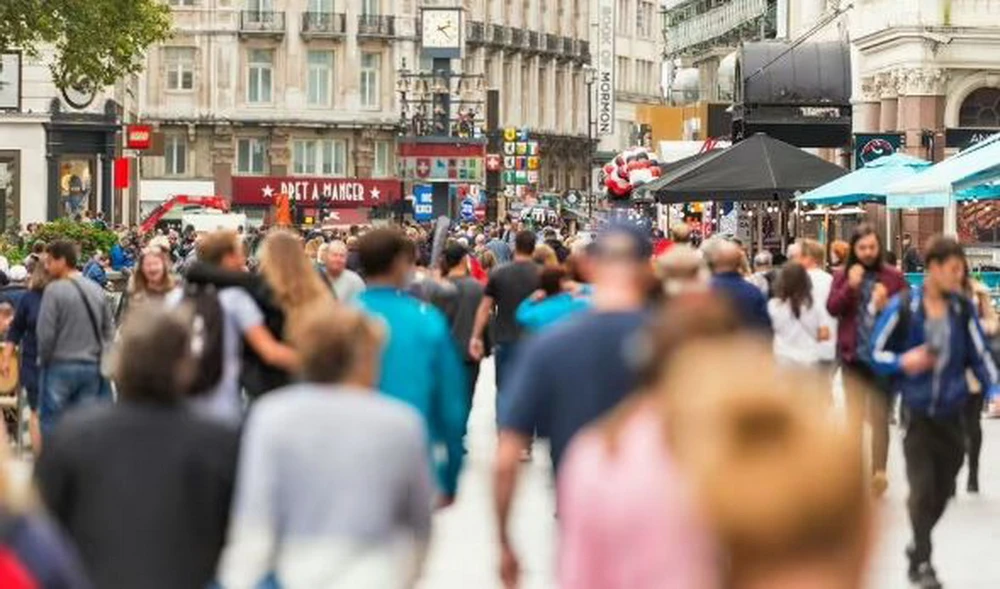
(441, 29)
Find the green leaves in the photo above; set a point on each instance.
(99, 41)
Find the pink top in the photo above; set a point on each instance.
(627, 520)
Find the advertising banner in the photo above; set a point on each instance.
(332, 192)
(606, 67)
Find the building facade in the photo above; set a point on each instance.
(287, 90)
(535, 52)
(56, 153)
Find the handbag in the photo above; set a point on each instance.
(104, 359)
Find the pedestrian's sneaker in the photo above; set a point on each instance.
(927, 578)
(880, 483)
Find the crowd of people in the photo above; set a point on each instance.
(288, 409)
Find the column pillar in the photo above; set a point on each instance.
(921, 107)
(867, 111)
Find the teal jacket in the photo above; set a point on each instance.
(421, 367)
(535, 316)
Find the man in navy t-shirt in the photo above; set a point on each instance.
(574, 373)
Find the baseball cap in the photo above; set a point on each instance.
(624, 241)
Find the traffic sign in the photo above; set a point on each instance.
(423, 203)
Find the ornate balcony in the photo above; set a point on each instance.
(517, 38)
(552, 44)
(376, 26)
(534, 43)
(266, 23)
(323, 25)
(583, 51)
(476, 34)
(498, 35)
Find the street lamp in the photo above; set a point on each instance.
(590, 78)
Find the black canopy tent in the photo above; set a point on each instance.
(757, 168)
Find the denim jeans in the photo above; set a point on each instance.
(503, 357)
(66, 386)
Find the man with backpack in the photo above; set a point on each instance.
(74, 327)
(223, 318)
(927, 341)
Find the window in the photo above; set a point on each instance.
(259, 79)
(371, 70)
(259, 6)
(321, 6)
(251, 155)
(179, 64)
(383, 153)
(175, 155)
(624, 17)
(644, 20)
(622, 75)
(180, 2)
(980, 109)
(325, 158)
(371, 7)
(320, 82)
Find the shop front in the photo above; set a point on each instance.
(81, 149)
(312, 199)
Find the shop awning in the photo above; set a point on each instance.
(867, 184)
(970, 174)
(757, 168)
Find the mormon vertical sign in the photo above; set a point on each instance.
(606, 67)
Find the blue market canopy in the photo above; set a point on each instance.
(757, 168)
(972, 173)
(867, 184)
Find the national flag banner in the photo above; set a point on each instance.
(533, 163)
(509, 176)
(532, 177)
(522, 163)
(509, 162)
(522, 148)
(510, 134)
(509, 148)
(523, 135)
(522, 177)
(532, 148)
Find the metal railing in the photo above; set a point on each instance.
(534, 41)
(552, 44)
(324, 23)
(376, 25)
(569, 46)
(262, 21)
(714, 23)
(583, 50)
(517, 37)
(499, 35)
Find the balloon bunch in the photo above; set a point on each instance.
(629, 170)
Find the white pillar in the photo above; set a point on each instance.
(951, 217)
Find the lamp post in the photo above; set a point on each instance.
(590, 77)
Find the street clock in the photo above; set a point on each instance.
(441, 33)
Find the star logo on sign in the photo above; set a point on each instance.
(268, 191)
(375, 193)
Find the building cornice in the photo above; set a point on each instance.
(932, 34)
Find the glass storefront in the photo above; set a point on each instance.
(76, 185)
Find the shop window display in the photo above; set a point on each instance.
(76, 181)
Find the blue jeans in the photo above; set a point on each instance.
(66, 386)
(503, 357)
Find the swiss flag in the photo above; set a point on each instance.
(423, 167)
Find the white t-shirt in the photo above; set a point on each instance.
(822, 283)
(240, 313)
(795, 338)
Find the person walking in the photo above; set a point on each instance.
(810, 254)
(420, 364)
(345, 283)
(553, 303)
(73, 327)
(926, 340)
(972, 414)
(574, 372)
(911, 256)
(796, 318)
(726, 259)
(859, 292)
(23, 336)
(143, 486)
(509, 285)
(334, 486)
(228, 309)
(764, 273)
(459, 305)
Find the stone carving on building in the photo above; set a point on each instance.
(221, 139)
(869, 89)
(921, 81)
(886, 85)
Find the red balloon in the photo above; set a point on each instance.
(657, 171)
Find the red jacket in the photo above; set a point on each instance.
(843, 305)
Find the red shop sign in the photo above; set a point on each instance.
(345, 193)
(138, 137)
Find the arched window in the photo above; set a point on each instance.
(981, 109)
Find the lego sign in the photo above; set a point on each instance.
(138, 137)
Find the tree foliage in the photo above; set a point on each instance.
(88, 236)
(96, 42)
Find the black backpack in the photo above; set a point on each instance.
(207, 336)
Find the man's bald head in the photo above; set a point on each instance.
(727, 257)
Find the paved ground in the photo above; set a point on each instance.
(967, 542)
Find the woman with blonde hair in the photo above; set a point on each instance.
(545, 256)
(290, 275)
(152, 280)
(780, 483)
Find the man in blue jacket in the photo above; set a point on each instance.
(421, 365)
(927, 341)
(748, 301)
